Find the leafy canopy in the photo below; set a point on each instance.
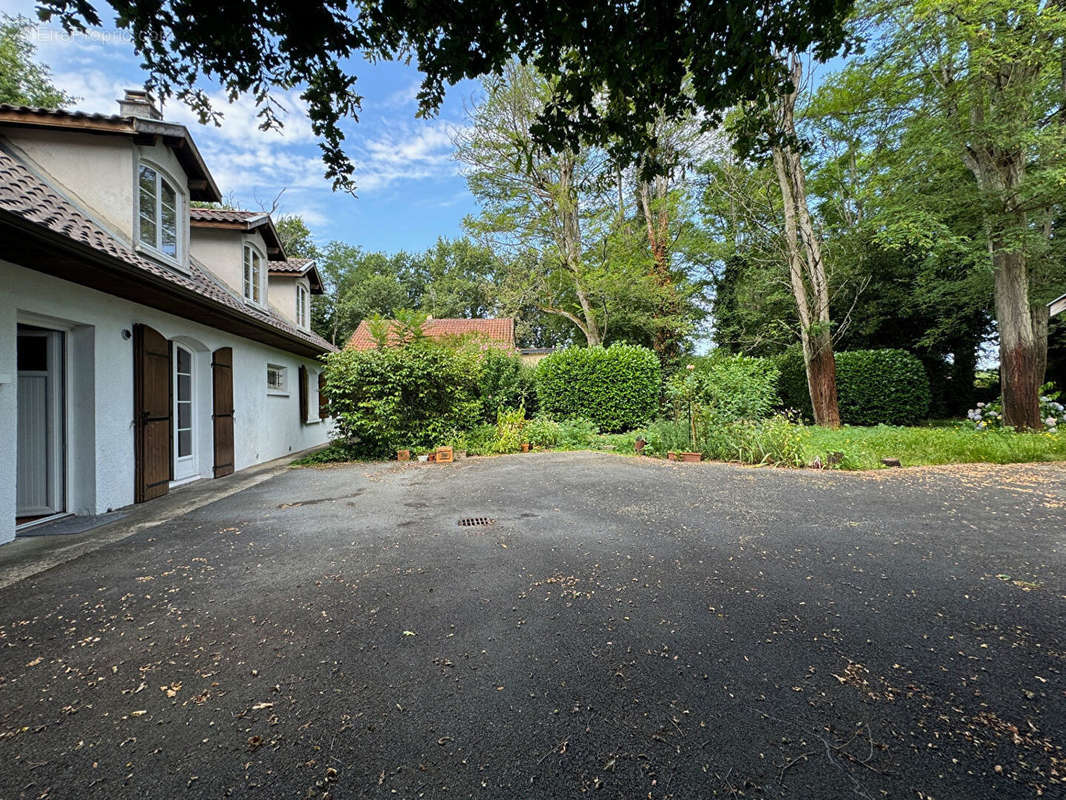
(24, 82)
(636, 55)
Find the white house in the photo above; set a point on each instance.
(144, 342)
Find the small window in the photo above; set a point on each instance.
(253, 274)
(276, 382)
(302, 310)
(159, 206)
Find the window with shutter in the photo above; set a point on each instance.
(323, 403)
(303, 393)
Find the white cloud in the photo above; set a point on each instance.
(406, 152)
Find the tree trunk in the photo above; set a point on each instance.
(1019, 355)
(1040, 314)
(652, 198)
(569, 240)
(822, 379)
(810, 285)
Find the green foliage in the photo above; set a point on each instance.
(24, 82)
(415, 396)
(616, 387)
(1052, 414)
(873, 386)
(732, 387)
(296, 237)
(772, 441)
(504, 382)
(664, 436)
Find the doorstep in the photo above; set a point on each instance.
(29, 555)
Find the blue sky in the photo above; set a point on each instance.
(409, 187)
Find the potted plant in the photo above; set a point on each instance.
(638, 444)
(423, 458)
(525, 447)
(445, 455)
(691, 456)
(672, 455)
(403, 455)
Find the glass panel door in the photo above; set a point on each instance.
(184, 444)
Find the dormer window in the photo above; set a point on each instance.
(253, 274)
(159, 209)
(302, 305)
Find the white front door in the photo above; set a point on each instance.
(39, 489)
(184, 418)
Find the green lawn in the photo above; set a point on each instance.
(863, 448)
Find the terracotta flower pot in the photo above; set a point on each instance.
(445, 455)
(431, 457)
(638, 446)
(690, 457)
(672, 455)
(525, 447)
(403, 455)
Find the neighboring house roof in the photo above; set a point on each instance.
(201, 184)
(232, 219)
(49, 222)
(499, 331)
(298, 267)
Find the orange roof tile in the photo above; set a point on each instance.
(497, 330)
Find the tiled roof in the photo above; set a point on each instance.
(62, 114)
(497, 330)
(198, 214)
(295, 265)
(23, 194)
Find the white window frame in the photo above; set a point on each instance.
(303, 306)
(312, 397)
(181, 214)
(249, 251)
(282, 389)
(185, 466)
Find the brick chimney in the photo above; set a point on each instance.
(138, 103)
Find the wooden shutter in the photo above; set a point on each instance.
(323, 402)
(152, 404)
(303, 393)
(222, 410)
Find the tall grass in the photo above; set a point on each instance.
(863, 448)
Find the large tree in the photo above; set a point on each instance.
(24, 82)
(982, 84)
(621, 64)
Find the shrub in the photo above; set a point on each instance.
(874, 387)
(1052, 412)
(503, 383)
(733, 386)
(415, 396)
(616, 388)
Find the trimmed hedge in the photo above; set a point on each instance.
(420, 395)
(874, 387)
(615, 387)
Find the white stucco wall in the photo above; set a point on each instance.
(96, 171)
(221, 252)
(283, 294)
(265, 426)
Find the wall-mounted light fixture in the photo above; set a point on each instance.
(126, 334)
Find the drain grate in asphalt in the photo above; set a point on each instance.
(473, 522)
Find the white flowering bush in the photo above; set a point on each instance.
(1052, 412)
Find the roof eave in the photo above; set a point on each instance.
(202, 185)
(243, 325)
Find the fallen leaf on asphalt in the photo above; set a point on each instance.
(139, 713)
(35, 662)
(409, 633)
(261, 706)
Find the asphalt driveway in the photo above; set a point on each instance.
(625, 628)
